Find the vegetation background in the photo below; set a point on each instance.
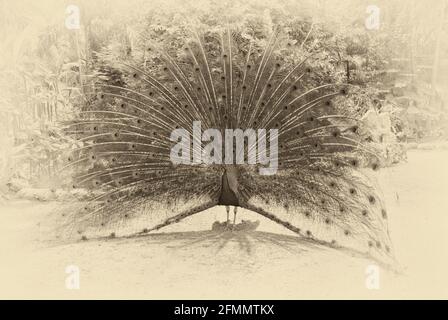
(48, 71)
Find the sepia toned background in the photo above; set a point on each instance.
(399, 55)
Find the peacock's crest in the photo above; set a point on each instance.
(224, 79)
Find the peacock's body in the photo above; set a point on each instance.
(225, 80)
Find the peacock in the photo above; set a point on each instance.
(122, 156)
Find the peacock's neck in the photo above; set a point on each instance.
(229, 187)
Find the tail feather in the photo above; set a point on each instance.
(225, 80)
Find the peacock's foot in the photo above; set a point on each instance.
(244, 225)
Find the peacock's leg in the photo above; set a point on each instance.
(235, 210)
(228, 211)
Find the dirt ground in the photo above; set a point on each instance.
(187, 261)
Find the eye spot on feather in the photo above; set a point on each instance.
(308, 233)
(354, 129)
(327, 221)
(244, 87)
(84, 238)
(300, 133)
(384, 213)
(343, 91)
(370, 244)
(135, 75)
(364, 212)
(346, 232)
(308, 70)
(375, 166)
(371, 199)
(248, 66)
(224, 56)
(307, 214)
(223, 78)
